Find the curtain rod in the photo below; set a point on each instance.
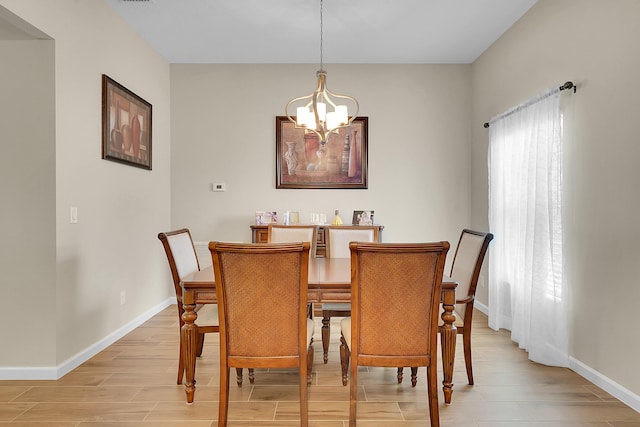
(567, 85)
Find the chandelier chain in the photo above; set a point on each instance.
(321, 36)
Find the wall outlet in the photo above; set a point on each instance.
(123, 297)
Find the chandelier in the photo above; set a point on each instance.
(311, 110)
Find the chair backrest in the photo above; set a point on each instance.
(182, 257)
(395, 295)
(466, 267)
(339, 237)
(261, 288)
(277, 233)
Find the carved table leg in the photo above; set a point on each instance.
(326, 332)
(448, 342)
(189, 337)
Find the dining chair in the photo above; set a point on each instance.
(280, 233)
(392, 285)
(181, 254)
(465, 269)
(277, 233)
(337, 244)
(252, 280)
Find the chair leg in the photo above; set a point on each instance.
(310, 362)
(466, 344)
(353, 395)
(303, 373)
(345, 355)
(400, 375)
(223, 404)
(414, 376)
(326, 334)
(180, 365)
(432, 393)
(199, 345)
(252, 377)
(239, 376)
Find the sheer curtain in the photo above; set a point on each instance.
(527, 289)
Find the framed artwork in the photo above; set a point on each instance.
(362, 218)
(126, 125)
(302, 162)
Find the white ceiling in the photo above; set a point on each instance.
(288, 31)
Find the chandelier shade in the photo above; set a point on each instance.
(322, 112)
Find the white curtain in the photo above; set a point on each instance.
(527, 289)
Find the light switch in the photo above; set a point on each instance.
(73, 215)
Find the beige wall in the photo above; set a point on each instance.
(27, 186)
(427, 165)
(595, 44)
(121, 209)
(223, 130)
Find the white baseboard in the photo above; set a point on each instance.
(605, 383)
(56, 372)
(481, 307)
(616, 390)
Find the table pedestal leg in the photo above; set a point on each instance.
(189, 335)
(448, 335)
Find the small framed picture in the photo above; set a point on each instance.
(362, 218)
(266, 217)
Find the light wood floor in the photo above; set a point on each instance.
(132, 383)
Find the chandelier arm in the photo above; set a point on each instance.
(350, 98)
(293, 101)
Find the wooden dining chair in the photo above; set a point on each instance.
(181, 254)
(392, 285)
(262, 290)
(465, 269)
(337, 244)
(278, 233)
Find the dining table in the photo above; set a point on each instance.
(329, 281)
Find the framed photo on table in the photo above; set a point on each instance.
(302, 162)
(126, 125)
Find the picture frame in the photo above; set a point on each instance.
(126, 125)
(341, 165)
(357, 217)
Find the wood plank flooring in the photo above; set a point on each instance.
(132, 384)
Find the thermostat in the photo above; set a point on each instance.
(219, 187)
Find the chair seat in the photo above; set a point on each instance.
(311, 327)
(336, 306)
(345, 326)
(207, 315)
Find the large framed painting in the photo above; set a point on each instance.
(302, 162)
(126, 125)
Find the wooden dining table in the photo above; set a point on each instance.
(329, 281)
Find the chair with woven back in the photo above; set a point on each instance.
(465, 269)
(337, 244)
(251, 280)
(393, 284)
